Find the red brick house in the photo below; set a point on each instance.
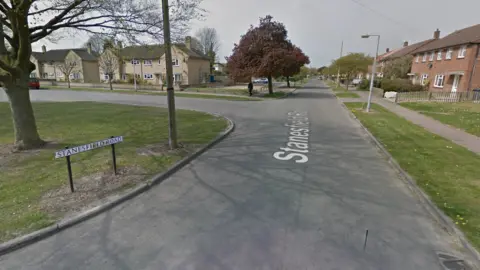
(449, 64)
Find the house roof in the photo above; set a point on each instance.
(411, 49)
(464, 36)
(59, 55)
(383, 56)
(157, 51)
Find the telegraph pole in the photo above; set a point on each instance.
(172, 126)
(338, 74)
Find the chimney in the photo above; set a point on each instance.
(44, 48)
(388, 50)
(89, 48)
(436, 34)
(188, 42)
(405, 43)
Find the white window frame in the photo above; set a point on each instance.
(135, 62)
(424, 58)
(106, 77)
(439, 81)
(417, 59)
(432, 55)
(148, 76)
(423, 79)
(175, 77)
(449, 53)
(159, 61)
(175, 62)
(439, 55)
(462, 52)
(147, 62)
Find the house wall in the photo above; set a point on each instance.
(90, 72)
(47, 70)
(198, 71)
(445, 66)
(118, 65)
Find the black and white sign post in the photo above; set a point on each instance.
(67, 152)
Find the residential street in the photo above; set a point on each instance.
(237, 207)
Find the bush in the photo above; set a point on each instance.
(400, 85)
(365, 84)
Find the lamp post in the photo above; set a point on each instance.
(372, 79)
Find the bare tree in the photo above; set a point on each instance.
(96, 43)
(210, 43)
(108, 63)
(69, 67)
(23, 22)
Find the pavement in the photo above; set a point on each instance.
(458, 136)
(238, 207)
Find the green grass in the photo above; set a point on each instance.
(229, 91)
(25, 178)
(448, 173)
(159, 93)
(347, 95)
(336, 88)
(277, 94)
(465, 115)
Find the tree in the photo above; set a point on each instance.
(108, 63)
(210, 43)
(24, 22)
(351, 65)
(260, 51)
(96, 42)
(294, 60)
(398, 68)
(69, 67)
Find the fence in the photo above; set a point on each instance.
(438, 96)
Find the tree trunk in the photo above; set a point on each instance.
(110, 82)
(270, 86)
(288, 81)
(24, 125)
(68, 81)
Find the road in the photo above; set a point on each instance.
(238, 207)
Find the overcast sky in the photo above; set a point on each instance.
(319, 26)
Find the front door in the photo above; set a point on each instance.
(456, 80)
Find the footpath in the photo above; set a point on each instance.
(458, 136)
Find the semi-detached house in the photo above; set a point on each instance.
(449, 64)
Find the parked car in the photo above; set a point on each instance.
(260, 80)
(34, 83)
(356, 81)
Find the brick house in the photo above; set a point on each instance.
(380, 64)
(449, 64)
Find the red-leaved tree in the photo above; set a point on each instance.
(260, 52)
(293, 60)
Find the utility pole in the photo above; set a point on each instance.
(172, 126)
(338, 74)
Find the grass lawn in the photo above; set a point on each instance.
(160, 93)
(347, 95)
(335, 87)
(27, 176)
(463, 115)
(448, 173)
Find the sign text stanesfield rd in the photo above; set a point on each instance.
(87, 147)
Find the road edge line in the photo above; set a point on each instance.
(33, 237)
(424, 199)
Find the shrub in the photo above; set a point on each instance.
(365, 84)
(400, 85)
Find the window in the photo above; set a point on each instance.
(148, 76)
(175, 62)
(439, 55)
(177, 78)
(106, 77)
(424, 58)
(462, 52)
(135, 62)
(448, 55)
(147, 62)
(418, 58)
(424, 79)
(45, 75)
(159, 61)
(124, 76)
(439, 80)
(432, 55)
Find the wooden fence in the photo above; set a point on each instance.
(438, 96)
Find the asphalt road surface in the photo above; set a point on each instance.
(239, 207)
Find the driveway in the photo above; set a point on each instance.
(239, 207)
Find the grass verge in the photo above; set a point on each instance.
(28, 176)
(159, 93)
(448, 173)
(347, 95)
(463, 115)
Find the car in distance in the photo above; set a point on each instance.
(34, 83)
(356, 81)
(260, 80)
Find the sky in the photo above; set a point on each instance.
(318, 27)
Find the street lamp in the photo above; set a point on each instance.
(373, 70)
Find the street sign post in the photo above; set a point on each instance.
(70, 151)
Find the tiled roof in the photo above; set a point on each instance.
(464, 36)
(59, 55)
(383, 56)
(411, 49)
(156, 51)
